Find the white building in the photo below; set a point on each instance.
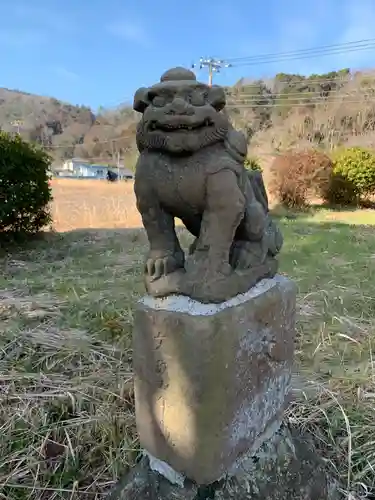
(73, 164)
(78, 168)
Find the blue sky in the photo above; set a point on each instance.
(99, 52)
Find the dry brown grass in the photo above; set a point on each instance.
(94, 204)
(80, 204)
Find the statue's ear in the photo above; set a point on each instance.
(141, 100)
(216, 97)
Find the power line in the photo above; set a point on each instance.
(302, 80)
(302, 97)
(359, 93)
(302, 51)
(302, 104)
(305, 103)
(339, 79)
(255, 104)
(307, 80)
(292, 57)
(242, 90)
(298, 95)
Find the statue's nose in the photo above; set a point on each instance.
(180, 106)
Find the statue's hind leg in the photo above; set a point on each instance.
(249, 248)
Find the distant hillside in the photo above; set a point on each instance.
(278, 113)
(64, 129)
(293, 111)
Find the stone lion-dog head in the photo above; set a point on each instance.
(180, 114)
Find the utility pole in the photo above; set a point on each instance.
(18, 124)
(118, 164)
(213, 65)
(113, 149)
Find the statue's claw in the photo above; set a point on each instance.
(161, 266)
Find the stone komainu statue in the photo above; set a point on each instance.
(191, 166)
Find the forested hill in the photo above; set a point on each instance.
(285, 111)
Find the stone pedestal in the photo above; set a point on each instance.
(285, 467)
(212, 380)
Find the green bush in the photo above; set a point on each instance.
(298, 176)
(356, 167)
(252, 163)
(24, 188)
(340, 191)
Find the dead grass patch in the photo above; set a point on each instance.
(82, 204)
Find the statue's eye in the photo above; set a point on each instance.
(158, 101)
(197, 99)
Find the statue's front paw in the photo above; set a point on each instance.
(158, 266)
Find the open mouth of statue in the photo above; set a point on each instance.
(178, 125)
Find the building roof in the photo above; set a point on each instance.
(95, 165)
(79, 160)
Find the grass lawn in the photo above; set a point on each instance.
(66, 401)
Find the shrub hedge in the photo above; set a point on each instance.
(25, 193)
